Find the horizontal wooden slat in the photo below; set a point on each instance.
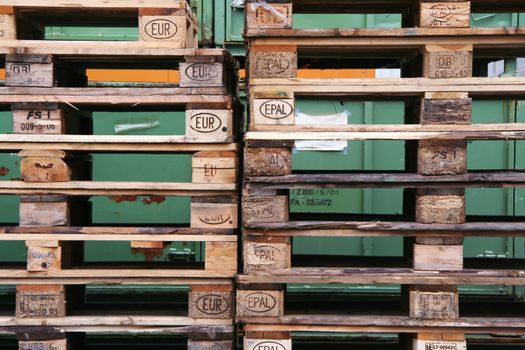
(379, 324)
(98, 3)
(389, 87)
(405, 180)
(109, 275)
(386, 276)
(115, 96)
(117, 237)
(383, 228)
(109, 230)
(388, 38)
(108, 143)
(116, 188)
(103, 49)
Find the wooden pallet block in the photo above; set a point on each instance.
(266, 61)
(268, 161)
(269, 14)
(260, 301)
(53, 344)
(433, 302)
(276, 340)
(444, 14)
(265, 254)
(437, 341)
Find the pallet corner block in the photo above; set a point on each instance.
(267, 161)
(434, 302)
(267, 344)
(268, 14)
(260, 303)
(54, 344)
(445, 14)
(211, 302)
(214, 167)
(7, 23)
(39, 301)
(273, 111)
(203, 125)
(272, 62)
(164, 25)
(267, 254)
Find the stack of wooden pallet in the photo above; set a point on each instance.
(435, 47)
(46, 89)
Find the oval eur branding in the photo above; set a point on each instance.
(259, 302)
(215, 220)
(268, 345)
(212, 304)
(205, 122)
(440, 11)
(161, 29)
(276, 109)
(201, 72)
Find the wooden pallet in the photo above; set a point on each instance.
(164, 22)
(271, 18)
(64, 64)
(46, 316)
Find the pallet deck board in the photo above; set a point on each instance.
(118, 237)
(116, 96)
(115, 188)
(416, 87)
(383, 228)
(110, 275)
(109, 231)
(390, 180)
(503, 37)
(408, 325)
(386, 276)
(109, 143)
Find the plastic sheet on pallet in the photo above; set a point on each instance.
(322, 119)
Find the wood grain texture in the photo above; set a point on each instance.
(438, 257)
(29, 74)
(261, 344)
(204, 125)
(214, 167)
(212, 303)
(432, 303)
(267, 161)
(221, 256)
(268, 15)
(265, 209)
(7, 26)
(55, 344)
(440, 209)
(445, 14)
(44, 258)
(273, 111)
(260, 303)
(203, 74)
(44, 301)
(214, 215)
(38, 121)
(44, 169)
(266, 256)
(45, 214)
(420, 344)
(442, 157)
(443, 111)
(447, 64)
(272, 64)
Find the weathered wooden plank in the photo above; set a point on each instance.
(221, 257)
(383, 228)
(95, 188)
(406, 180)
